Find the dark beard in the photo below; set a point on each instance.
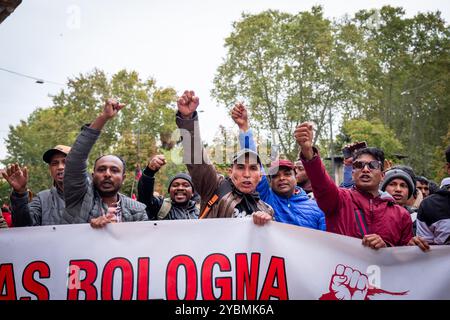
(107, 194)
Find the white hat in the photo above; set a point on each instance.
(445, 182)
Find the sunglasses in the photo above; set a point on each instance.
(373, 165)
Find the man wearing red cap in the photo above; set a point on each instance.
(47, 207)
(290, 202)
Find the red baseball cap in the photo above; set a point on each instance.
(276, 165)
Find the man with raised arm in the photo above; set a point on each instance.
(279, 189)
(231, 197)
(179, 204)
(47, 207)
(96, 198)
(360, 212)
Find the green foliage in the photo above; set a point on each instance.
(378, 64)
(5, 191)
(145, 124)
(375, 134)
(225, 144)
(403, 74)
(286, 69)
(438, 162)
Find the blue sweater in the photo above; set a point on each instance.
(297, 209)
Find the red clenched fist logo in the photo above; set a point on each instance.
(350, 284)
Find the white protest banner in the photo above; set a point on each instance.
(211, 259)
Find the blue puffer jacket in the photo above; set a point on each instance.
(297, 209)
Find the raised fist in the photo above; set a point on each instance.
(303, 134)
(157, 162)
(16, 177)
(349, 284)
(240, 116)
(187, 104)
(111, 108)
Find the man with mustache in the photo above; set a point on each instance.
(399, 182)
(97, 199)
(361, 212)
(422, 183)
(221, 197)
(47, 207)
(279, 189)
(179, 205)
(302, 178)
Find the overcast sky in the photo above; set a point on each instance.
(177, 42)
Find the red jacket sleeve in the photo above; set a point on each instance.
(325, 190)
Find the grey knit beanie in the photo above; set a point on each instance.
(183, 176)
(398, 174)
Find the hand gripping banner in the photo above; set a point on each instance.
(230, 259)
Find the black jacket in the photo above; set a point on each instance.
(433, 219)
(145, 195)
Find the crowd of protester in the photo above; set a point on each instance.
(381, 204)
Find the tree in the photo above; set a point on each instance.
(402, 72)
(377, 64)
(287, 68)
(142, 127)
(374, 133)
(5, 191)
(438, 162)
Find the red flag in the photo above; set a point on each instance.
(138, 173)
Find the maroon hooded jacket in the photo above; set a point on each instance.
(355, 213)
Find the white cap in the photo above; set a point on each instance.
(445, 182)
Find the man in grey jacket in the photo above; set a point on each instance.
(47, 207)
(97, 199)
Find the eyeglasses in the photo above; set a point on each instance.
(372, 165)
